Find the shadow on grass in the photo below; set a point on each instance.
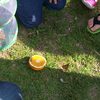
(50, 83)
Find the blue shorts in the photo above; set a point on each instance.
(9, 91)
(30, 11)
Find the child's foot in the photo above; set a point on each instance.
(94, 24)
(90, 3)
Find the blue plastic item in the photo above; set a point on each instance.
(8, 24)
(7, 10)
(9, 33)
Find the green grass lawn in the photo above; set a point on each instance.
(63, 39)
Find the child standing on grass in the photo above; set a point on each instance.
(30, 11)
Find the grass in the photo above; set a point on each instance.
(63, 39)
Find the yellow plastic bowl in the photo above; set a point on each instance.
(37, 62)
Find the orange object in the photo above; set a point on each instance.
(37, 62)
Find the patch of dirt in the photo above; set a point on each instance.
(50, 45)
(78, 20)
(25, 33)
(69, 17)
(81, 21)
(69, 20)
(94, 93)
(74, 5)
(79, 45)
(64, 67)
(4, 55)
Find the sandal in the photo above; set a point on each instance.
(95, 22)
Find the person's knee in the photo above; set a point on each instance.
(29, 12)
(31, 22)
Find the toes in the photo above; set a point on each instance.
(95, 28)
(90, 23)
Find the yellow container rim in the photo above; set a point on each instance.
(36, 66)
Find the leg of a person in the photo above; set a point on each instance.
(60, 5)
(29, 12)
(9, 91)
